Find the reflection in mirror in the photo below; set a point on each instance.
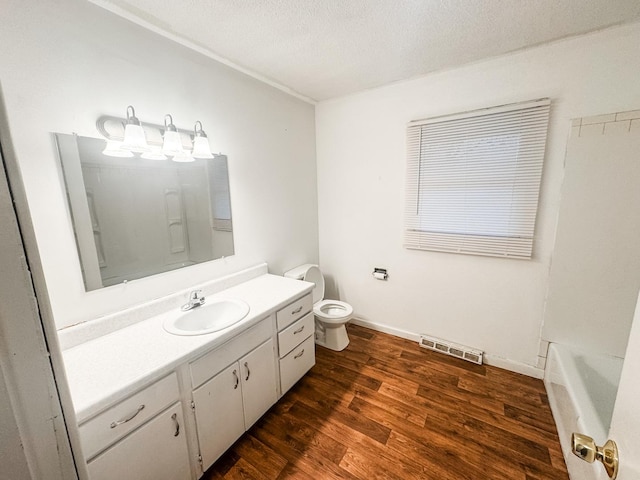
(134, 217)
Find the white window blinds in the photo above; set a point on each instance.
(473, 180)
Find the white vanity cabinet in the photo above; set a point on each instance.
(296, 342)
(139, 438)
(235, 397)
(167, 407)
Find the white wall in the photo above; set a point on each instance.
(64, 64)
(494, 304)
(595, 271)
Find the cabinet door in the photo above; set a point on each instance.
(219, 415)
(155, 451)
(258, 382)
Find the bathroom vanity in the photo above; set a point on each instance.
(150, 404)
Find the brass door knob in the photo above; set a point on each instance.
(585, 448)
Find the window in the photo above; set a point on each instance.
(473, 180)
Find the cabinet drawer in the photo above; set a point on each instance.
(294, 334)
(293, 311)
(113, 424)
(297, 363)
(220, 358)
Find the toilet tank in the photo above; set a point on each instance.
(310, 273)
(298, 272)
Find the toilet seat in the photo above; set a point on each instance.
(332, 311)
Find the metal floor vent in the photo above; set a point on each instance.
(453, 349)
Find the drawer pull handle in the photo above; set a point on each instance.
(126, 419)
(246, 365)
(299, 355)
(297, 310)
(174, 417)
(299, 330)
(235, 375)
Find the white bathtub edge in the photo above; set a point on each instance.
(567, 417)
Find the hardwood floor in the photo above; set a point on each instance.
(386, 409)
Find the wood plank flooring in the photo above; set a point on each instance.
(386, 409)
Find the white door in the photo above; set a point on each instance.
(219, 414)
(625, 424)
(32, 424)
(258, 382)
(155, 451)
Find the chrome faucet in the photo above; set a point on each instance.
(195, 300)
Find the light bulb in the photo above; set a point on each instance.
(154, 154)
(183, 157)
(201, 148)
(113, 149)
(134, 139)
(172, 143)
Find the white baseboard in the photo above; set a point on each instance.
(489, 359)
(380, 327)
(517, 367)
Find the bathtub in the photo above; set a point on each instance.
(582, 390)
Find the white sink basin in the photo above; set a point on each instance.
(212, 316)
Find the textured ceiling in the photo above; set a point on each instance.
(329, 48)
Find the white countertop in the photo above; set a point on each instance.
(105, 370)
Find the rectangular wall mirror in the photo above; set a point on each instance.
(134, 217)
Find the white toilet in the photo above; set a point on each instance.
(331, 315)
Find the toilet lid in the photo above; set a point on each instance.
(314, 275)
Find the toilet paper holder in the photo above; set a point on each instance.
(380, 273)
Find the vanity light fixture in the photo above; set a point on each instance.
(134, 138)
(172, 143)
(201, 148)
(114, 149)
(153, 141)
